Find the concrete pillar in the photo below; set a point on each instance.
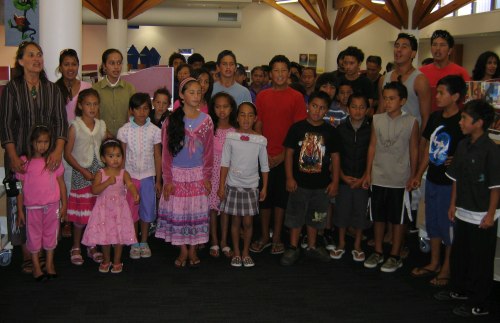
(60, 28)
(117, 30)
(332, 50)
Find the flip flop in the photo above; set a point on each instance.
(227, 252)
(214, 251)
(194, 263)
(440, 282)
(258, 246)
(358, 256)
(180, 263)
(420, 272)
(277, 248)
(337, 253)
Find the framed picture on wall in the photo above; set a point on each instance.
(313, 60)
(303, 59)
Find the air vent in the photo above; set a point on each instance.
(228, 16)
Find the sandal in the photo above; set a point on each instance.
(358, 256)
(227, 252)
(258, 246)
(420, 272)
(214, 251)
(117, 268)
(76, 256)
(248, 262)
(180, 263)
(194, 263)
(277, 248)
(27, 267)
(337, 253)
(236, 261)
(104, 268)
(440, 282)
(94, 254)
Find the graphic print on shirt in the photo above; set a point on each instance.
(311, 153)
(439, 146)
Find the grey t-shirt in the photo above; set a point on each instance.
(237, 91)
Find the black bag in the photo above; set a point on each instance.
(13, 186)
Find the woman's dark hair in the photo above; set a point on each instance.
(60, 82)
(104, 58)
(175, 129)
(454, 84)
(480, 68)
(138, 99)
(18, 69)
(180, 67)
(36, 132)
(197, 73)
(232, 115)
(81, 96)
(110, 143)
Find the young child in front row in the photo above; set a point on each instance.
(311, 145)
(475, 208)
(243, 151)
(85, 136)
(44, 198)
(352, 200)
(111, 221)
(441, 137)
(391, 165)
(222, 109)
(141, 142)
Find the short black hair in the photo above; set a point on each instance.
(138, 99)
(320, 95)
(399, 87)
(480, 110)
(224, 53)
(413, 41)
(279, 59)
(308, 68)
(210, 66)
(355, 52)
(454, 84)
(445, 35)
(325, 78)
(358, 95)
(164, 91)
(297, 66)
(375, 60)
(175, 56)
(195, 58)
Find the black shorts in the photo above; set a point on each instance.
(277, 196)
(389, 204)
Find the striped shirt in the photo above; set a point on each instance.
(19, 112)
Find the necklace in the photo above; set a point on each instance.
(69, 85)
(399, 76)
(33, 91)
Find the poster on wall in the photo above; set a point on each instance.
(303, 59)
(21, 21)
(313, 60)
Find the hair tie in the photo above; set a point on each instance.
(183, 82)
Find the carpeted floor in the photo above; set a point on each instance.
(152, 290)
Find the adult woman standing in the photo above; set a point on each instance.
(487, 67)
(114, 92)
(70, 86)
(29, 99)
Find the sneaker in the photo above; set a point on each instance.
(236, 261)
(135, 252)
(446, 295)
(304, 244)
(467, 311)
(145, 252)
(330, 244)
(374, 260)
(391, 265)
(290, 256)
(319, 254)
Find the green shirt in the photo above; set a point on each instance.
(114, 103)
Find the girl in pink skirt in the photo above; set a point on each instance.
(187, 138)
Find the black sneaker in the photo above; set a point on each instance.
(468, 311)
(319, 254)
(446, 295)
(290, 256)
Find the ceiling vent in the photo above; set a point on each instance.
(228, 16)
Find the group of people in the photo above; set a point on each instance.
(288, 147)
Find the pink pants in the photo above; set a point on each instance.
(42, 226)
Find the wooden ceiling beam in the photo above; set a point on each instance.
(99, 7)
(380, 11)
(441, 12)
(296, 18)
(133, 8)
(339, 4)
(422, 9)
(394, 10)
(406, 13)
(311, 11)
(116, 9)
(340, 17)
(357, 26)
(324, 14)
(352, 14)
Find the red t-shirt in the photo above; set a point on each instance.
(434, 74)
(278, 110)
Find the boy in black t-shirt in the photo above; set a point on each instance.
(310, 146)
(441, 137)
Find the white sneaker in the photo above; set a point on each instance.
(135, 252)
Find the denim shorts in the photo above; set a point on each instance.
(307, 206)
(437, 203)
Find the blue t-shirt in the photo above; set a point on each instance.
(237, 91)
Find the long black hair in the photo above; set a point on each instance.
(232, 115)
(175, 129)
(200, 71)
(60, 82)
(480, 67)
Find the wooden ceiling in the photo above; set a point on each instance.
(351, 15)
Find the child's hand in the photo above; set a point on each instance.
(357, 183)
(367, 181)
(208, 186)
(21, 219)
(415, 182)
(158, 189)
(63, 213)
(487, 221)
(332, 189)
(291, 185)
(111, 180)
(451, 213)
(221, 192)
(88, 175)
(137, 198)
(168, 188)
(409, 185)
(262, 195)
(349, 180)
